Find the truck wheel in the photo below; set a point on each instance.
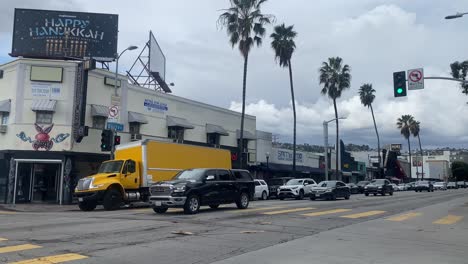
(366, 194)
(375, 194)
(281, 198)
(391, 193)
(192, 205)
(112, 199)
(264, 195)
(347, 196)
(87, 206)
(383, 193)
(214, 206)
(301, 195)
(243, 201)
(160, 210)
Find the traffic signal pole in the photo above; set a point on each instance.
(112, 144)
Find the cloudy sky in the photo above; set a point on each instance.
(375, 37)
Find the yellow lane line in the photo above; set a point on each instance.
(52, 259)
(365, 214)
(7, 212)
(403, 217)
(3, 239)
(18, 248)
(258, 209)
(448, 220)
(288, 211)
(335, 211)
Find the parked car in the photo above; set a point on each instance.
(353, 188)
(461, 184)
(452, 185)
(261, 189)
(410, 186)
(361, 185)
(296, 188)
(402, 187)
(395, 187)
(330, 190)
(378, 186)
(193, 188)
(440, 186)
(275, 183)
(424, 186)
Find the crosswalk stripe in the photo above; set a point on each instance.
(448, 220)
(7, 212)
(365, 214)
(3, 239)
(335, 211)
(52, 259)
(288, 211)
(18, 248)
(403, 217)
(258, 209)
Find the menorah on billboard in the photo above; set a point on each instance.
(64, 35)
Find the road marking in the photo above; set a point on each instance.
(7, 212)
(365, 214)
(448, 220)
(17, 248)
(288, 211)
(3, 239)
(52, 259)
(257, 209)
(328, 212)
(403, 217)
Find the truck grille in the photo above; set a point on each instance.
(84, 184)
(161, 190)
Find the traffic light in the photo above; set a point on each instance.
(399, 84)
(116, 140)
(106, 137)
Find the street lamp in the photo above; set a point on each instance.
(117, 66)
(457, 15)
(325, 134)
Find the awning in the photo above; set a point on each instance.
(137, 118)
(288, 168)
(173, 121)
(215, 129)
(247, 135)
(99, 110)
(44, 105)
(5, 106)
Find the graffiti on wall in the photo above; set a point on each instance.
(42, 139)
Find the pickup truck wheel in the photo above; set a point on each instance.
(87, 206)
(192, 205)
(391, 193)
(366, 194)
(160, 210)
(281, 198)
(375, 194)
(112, 199)
(383, 193)
(301, 195)
(347, 196)
(243, 201)
(214, 206)
(264, 195)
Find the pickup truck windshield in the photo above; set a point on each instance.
(195, 174)
(110, 167)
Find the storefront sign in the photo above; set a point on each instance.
(155, 106)
(45, 90)
(288, 156)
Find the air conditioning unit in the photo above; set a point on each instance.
(135, 137)
(3, 128)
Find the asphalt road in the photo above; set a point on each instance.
(420, 227)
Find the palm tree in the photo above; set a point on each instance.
(415, 128)
(459, 70)
(284, 46)
(404, 124)
(245, 25)
(366, 93)
(335, 78)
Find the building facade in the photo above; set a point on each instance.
(40, 160)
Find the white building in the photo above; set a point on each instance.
(38, 133)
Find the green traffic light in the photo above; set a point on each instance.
(400, 90)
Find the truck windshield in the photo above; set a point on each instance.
(194, 175)
(110, 167)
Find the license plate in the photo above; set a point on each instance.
(158, 203)
(80, 199)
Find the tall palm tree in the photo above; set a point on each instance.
(404, 124)
(415, 128)
(284, 46)
(245, 25)
(366, 93)
(335, 78)
(459, 70)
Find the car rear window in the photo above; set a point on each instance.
(257, 183)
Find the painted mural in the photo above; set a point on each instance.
(42, 139)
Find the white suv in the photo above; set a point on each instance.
(296, 188)
(261, 189)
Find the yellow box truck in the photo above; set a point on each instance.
(137, 166)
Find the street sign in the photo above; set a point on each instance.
(416, 79)
(115, 126)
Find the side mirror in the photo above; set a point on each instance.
(210, 178)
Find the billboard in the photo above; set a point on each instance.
(157, 60)
(63, 34)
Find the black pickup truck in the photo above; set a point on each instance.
(193, 188)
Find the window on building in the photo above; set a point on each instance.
(176, 133)
(43, 117)
(213, 139)
(5, 117)
(99, 122)
(134, 128)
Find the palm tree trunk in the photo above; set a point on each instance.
(377, 133)
(294, 114)
(411, 164)
(244, 88)
(337, 177)
(422, 158)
